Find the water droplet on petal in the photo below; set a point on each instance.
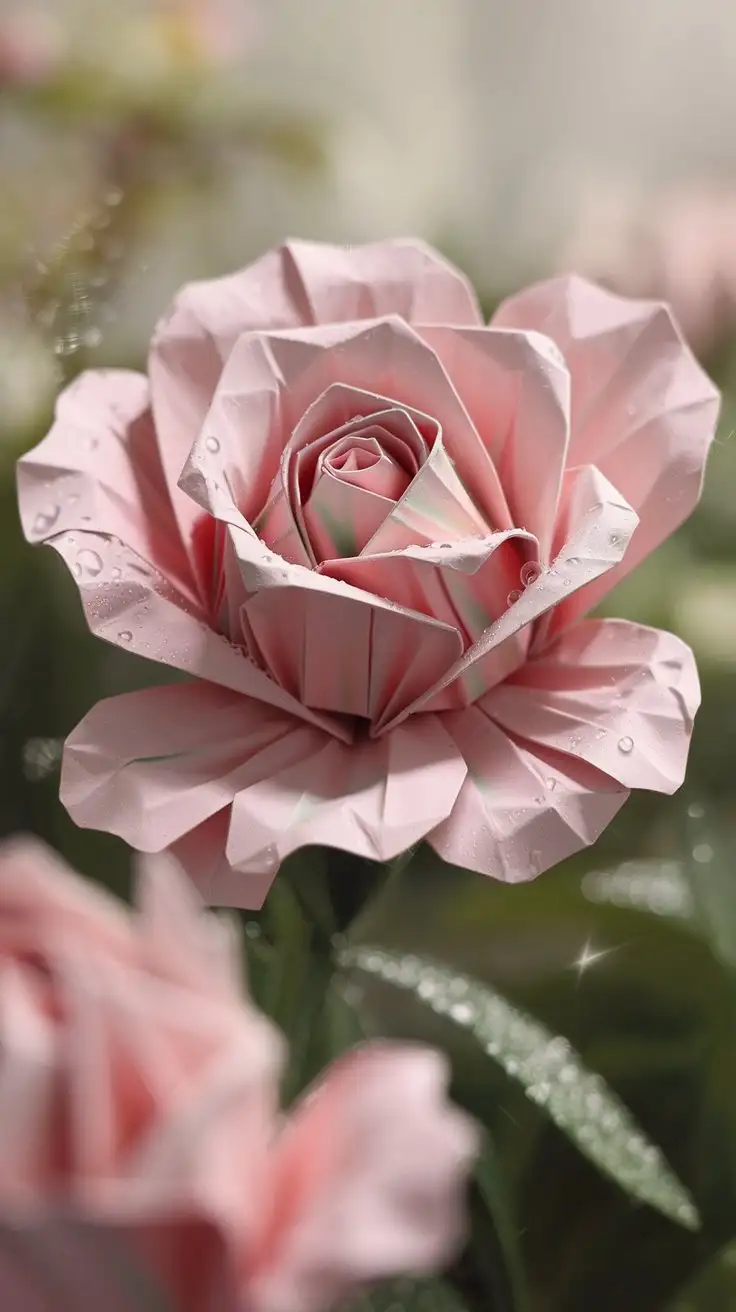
(45, 519)
(212, 444)
(530, 573)
(551, 784)
(125, 635)
(626, 745)
(513, 596)
(116, 573)
(89, 562)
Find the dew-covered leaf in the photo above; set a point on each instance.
(550, 1071)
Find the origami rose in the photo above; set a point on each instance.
(370, 525)
(140, 1142)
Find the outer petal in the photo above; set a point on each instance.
(521, 809)
(132, 605)
(152, 765)
(300, 283)
(369, 1175)
(99, 470)
(643, 410)
(618, 695)
(376, 798)
(516, 390)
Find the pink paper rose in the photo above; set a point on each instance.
(141, 1149)
(371, 525)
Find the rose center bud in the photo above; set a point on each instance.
(358, 479)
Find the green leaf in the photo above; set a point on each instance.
(551, 1073)
(492, 1196)
(488, 1273)
(714, 1287)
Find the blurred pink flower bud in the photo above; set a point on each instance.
(141, 1142)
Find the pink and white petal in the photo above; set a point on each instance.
(516, 389)
(341, 517)
(335, 648)
(30, 1046)
(201, 950)
(374, 799)
(465, 584)
(434, 507)
(615, 694)
(150, 766)
(400, 276)
(129, 604)
(370, 1174)
(201, 855)
(520, 809)
(600, 527)
(98, 469)
(643, 410)
(383, 356)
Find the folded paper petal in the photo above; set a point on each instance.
(361, 1194)
(375, 799)
(131, 605)
(598, 525)
(516, 389)
(333, 647)
(98, 469)
(152, 765)
(467, 583)
(521, 808)
(643, 410)
(618, 695)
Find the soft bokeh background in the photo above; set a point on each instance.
(149, 142)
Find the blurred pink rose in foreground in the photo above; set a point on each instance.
(680, 246)
(141, 1148)
(32, 47)
(371, 525)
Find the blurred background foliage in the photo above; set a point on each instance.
(159, 140)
